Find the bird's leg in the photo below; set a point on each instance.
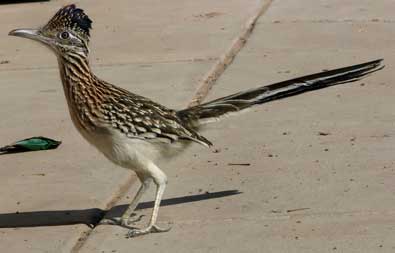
(145, 183)
(124, 220)
(160, 180)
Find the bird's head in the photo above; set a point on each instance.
(66, 32)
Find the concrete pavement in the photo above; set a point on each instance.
(303, 191)
(159, 50)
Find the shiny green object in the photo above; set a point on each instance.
(31, 144)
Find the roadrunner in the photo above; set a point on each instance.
(134, 132)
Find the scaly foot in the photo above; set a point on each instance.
(134, 232)
(119, 221)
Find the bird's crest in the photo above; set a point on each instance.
(73, 18)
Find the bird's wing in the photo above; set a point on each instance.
(139, 117)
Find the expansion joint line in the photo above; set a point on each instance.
(219, 67)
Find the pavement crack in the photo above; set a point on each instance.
(279, 217)
(103, 65)
(116, 196)
(329, 21)
(227, 58)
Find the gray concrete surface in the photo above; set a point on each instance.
(160, 50)
(302, 192)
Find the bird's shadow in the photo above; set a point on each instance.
(91, 217)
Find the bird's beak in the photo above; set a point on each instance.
(33, 34)
(25, 33)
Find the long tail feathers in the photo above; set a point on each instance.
(214, 110)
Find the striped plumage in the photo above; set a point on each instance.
(133, 131)
(95, 104)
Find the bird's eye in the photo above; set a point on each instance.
(64, 35)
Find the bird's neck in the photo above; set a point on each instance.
(76, 65)
(75, 73)
(81, 88)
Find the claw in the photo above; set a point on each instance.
(110, 221)
(156, 229)
(151, 229)
(127, 221)
(119, 221)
